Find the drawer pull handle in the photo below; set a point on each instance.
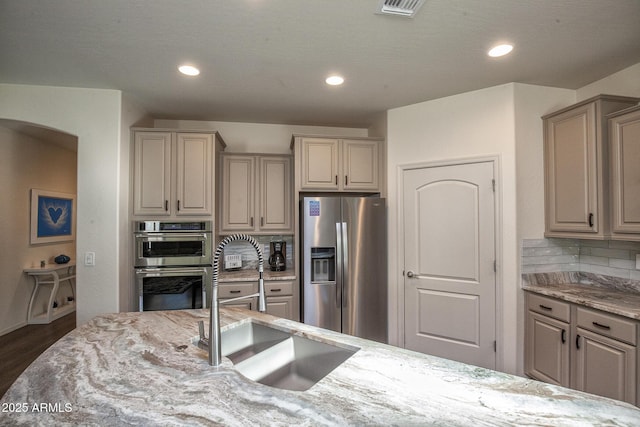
(578, 342)
(600, 325)
(235, 291)
(276, 290)
(564, 336)
(544, 307)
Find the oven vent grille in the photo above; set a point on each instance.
(406, 8)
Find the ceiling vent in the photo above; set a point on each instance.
(406, 8)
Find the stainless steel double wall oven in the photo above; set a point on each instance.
(173, 264)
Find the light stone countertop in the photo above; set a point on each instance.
(143, 369)
(620, 300)
(252, 275)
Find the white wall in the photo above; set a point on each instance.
(94, 116)
(132, 115)
(258, 137)
(27, 163)
(478, 123)
(625, 83)
(503, 121)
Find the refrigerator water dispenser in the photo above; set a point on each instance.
(323, 264)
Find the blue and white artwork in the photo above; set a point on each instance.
(52, 216)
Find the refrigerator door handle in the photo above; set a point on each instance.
(345, 265)
(339, 264)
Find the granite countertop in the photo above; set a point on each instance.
(143, 369)
(620, 300)
(249, 275)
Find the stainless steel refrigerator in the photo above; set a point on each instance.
(344, 265)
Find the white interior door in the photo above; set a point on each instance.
(449, 247)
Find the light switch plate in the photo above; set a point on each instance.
(90, 259)
(232, 261)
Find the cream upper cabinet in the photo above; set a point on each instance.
(256, 193)
(152, 173)
(624, 141)
(337, 164)
(173, 172)
(576, 168)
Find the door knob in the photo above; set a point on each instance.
(410, 274)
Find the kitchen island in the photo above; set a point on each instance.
(144, 369)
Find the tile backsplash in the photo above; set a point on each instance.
(608, 257)
(248, 253)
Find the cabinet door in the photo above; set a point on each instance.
(194, 179)
(547, 349)
(275, 194)
(360, 160)
(605, 367)
(571, 171)
(238, 194)
(319, 166)
(152, 173)
(625, 172)
(280, 306)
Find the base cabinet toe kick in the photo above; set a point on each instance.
(581, 348)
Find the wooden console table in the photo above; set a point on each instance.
(52, 274)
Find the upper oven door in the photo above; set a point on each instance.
(172, 249)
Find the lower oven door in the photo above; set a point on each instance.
(173, 288)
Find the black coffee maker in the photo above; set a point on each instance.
(277, 259)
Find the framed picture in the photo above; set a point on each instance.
(52, 216)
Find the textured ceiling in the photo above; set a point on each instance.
(266, 60)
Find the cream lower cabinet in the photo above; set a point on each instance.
(280, 299)
(581, 348)
(173, 172)
(338, 164)
(256, 194)
(278, 293)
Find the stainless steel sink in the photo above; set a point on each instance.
(248, 339)
(279, 359)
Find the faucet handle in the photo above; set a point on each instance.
(203, 337)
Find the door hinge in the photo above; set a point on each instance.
(493, 185)
(495, 346)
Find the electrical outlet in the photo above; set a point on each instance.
(90, 259)
(637, 261)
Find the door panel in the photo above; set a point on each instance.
(449, 238)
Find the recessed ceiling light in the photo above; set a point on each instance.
(334, 80)
(500, 50)
(188, 70)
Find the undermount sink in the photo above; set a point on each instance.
(280, 359)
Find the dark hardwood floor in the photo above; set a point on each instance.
(22, 346)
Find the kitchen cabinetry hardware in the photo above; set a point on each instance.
(276, 290)
(338, 164)
(599, 325)
(604, 359)
(544, 307)
(235, 291)
(576, 139)
(256, 194)
(173, 173)
(624, 143)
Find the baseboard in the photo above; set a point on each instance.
(12, 328)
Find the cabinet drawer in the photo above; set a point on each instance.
(232, 290)
(607, 325)
(275, 288)
(549, 307)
